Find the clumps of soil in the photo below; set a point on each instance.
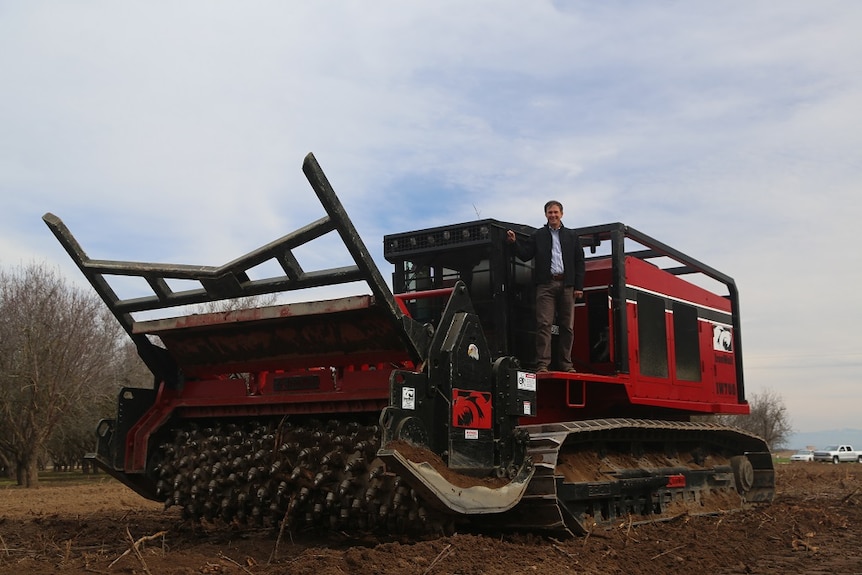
(811, 527)
(418, 454)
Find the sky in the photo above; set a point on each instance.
(175, 132)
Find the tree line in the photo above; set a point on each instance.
(63, 358)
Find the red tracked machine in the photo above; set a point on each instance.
(417, 410)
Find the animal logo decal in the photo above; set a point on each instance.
(722, 338)
(471, 409)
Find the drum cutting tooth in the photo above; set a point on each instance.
(256, 515)
(165, 471)
(297, 473)
(344, 487)
(422, 515)
(378, 471)
(282, 488)
(321, 477)
(304, 493)
(398, 498)
(371, 493)
(330, 500)
(334, 457)
(308, 453)
(253, 473)
(209, 511)
(162, 488)
(226, 508)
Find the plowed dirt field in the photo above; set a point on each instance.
(813, 527)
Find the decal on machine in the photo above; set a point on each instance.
(408, 398)
(722, 338)
(526, 381)
(471, 409)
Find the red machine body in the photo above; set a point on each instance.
(680, 366)
(652, 345)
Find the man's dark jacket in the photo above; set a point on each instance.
(538, 246)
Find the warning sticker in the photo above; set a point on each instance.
(528, 408)
(408, 398)
(471, 434)
(526, 381)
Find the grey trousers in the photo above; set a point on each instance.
(554, 299)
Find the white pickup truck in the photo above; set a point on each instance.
(838, 453)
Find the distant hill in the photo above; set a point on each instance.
(820, 439)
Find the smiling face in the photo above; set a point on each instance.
(554, 214)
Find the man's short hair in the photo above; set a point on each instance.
(553, 203)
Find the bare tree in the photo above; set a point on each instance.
(236, 304)
(75, 433)
(129, 371)
(57, 346)
(768, 419)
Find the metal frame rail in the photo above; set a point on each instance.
(617, 233)
(231, 280)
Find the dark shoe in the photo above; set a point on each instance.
(571, 370)
(541, 370)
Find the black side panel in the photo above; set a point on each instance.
(652, 335)
(686, 342)
(131, 406)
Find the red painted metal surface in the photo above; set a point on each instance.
(337, 333)
(599, 391)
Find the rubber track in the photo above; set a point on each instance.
(543, 508)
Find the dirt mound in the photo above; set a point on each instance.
(812, 527)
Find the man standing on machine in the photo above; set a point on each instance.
(558, 273)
